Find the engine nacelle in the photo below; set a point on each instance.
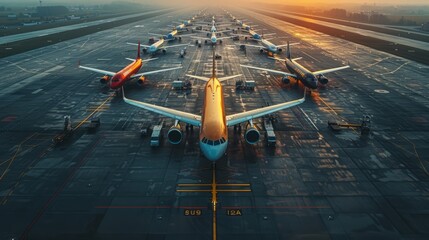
(104, 80)
(141, 81)
(261, 50)
(175, 134)
(164, 51)
(280, 50)
(285, 80)
(322, 79)
(252, 135)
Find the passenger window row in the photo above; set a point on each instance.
(213, 143)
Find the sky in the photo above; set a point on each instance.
(291, 2)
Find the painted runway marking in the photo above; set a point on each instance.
(27, 81)
(37, 91)
(312, 123)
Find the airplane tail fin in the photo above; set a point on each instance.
(288, 51)
(138, 51)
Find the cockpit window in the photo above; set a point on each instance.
(213, 143)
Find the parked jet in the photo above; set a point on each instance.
(213, 122)
(116, 80)
(171, 36)
(212, 36)
(254, 35)
(158, 46)
(300, 73)
(268, 46)
(181, 27)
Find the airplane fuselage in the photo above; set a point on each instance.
(181, 27)
(303, 75)
(213, 38)
(171, 36)
(119, 79)
(152, 49)
(270, 47)
(213, 131)
(254, 35)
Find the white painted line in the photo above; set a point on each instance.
(37, 91)
(312, 123)
(27, 81)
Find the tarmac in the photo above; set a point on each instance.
(314, 184)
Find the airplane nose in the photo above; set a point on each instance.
(213, 153)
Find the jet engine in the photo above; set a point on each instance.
(141, 81)
(261, 50)
(285, 80)
(175, 134)
(144, 50)
(104, 79)
(322, 79)
(252, 134)
(164, 51)
(279, 49)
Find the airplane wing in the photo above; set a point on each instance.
(249, 115)
(229, 77)
(220, 38)
(135, 44)
(321, 72)
(251, 45)
(156, 34)
(145, 60)
(108, 73)
(206, 79)
(283, 60)
(223, 31)
(153, 72)
(269, 34)
(168, 112)
(269, 70)
(177, 45)
(285, 45)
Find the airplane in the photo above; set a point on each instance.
(254, 35)
(212, 36)
(213, 122)
(171, 36)
(181, 27)
(268, 46)
(243, 25)
(115, 80)
(158, 46)
(308, 78)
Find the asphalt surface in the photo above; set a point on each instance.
(39, 33)
(424, 45)
(315, 184)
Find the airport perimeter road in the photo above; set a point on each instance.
(314, 184)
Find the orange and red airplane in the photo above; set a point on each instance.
(213, 122)
(118, 79)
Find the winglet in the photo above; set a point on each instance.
(138, 52)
